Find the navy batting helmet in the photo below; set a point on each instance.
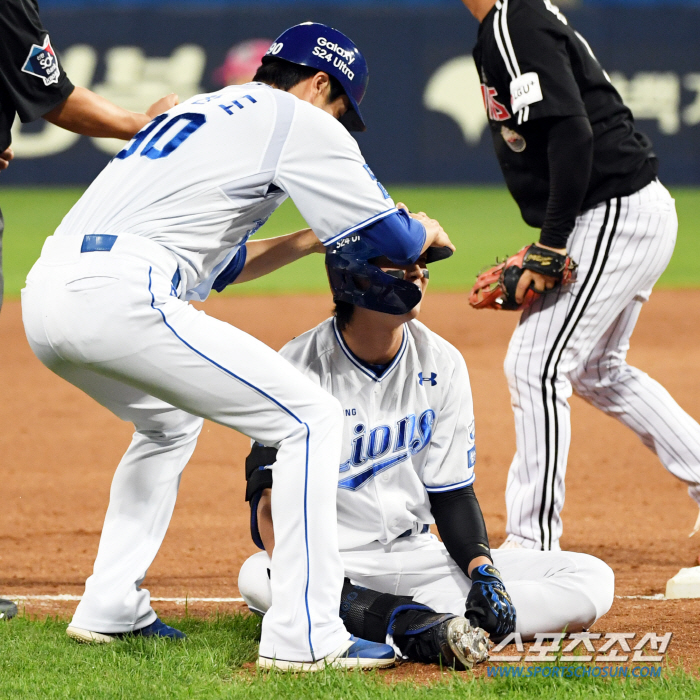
(322, 47)
(355, 280)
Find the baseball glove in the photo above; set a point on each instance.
(495, 287)
(488, 604)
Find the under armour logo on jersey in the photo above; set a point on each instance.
(431, 378)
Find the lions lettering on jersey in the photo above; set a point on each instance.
(375, 444)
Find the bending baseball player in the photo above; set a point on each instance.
(106, 308)
(580, 172)
(408, 461)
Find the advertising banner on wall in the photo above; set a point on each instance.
(424, 109)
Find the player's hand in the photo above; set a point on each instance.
(5, 157)
(488, 604)
(434, 233)
(163, 105)
(540, 283)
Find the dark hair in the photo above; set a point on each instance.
(285, 75)
(343, 314)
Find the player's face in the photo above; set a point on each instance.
(417, 273)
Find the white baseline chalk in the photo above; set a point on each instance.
(66, 596)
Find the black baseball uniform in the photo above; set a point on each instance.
(536, 71)
(32, 81)
(581, 172)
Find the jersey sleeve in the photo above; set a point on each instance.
(452, 453)
(322, 170)
(535, 51)
(32, 78)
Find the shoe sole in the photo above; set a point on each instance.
(469, 644)
(268, 664)
(89, 637)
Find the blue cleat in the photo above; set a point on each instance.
(353, 653)
(157, 628)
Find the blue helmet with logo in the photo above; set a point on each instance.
(355, 280)
(322, 47)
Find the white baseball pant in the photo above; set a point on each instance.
(551, 591)
(110, 323)
(578, 337)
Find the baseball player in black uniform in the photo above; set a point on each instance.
(582, 174)
(34, 85)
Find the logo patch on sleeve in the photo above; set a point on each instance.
(525, 90)
(42, 63)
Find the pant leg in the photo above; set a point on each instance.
(418, 566)
(117, 318)
(141, 502)
(639, 402)
(553, 591)
(622, 248)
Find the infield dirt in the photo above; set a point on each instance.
(59, 449)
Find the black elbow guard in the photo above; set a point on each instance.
(257, 480)
(257, 477)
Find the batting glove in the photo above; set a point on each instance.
(488, 604)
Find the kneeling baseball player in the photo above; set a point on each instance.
(407, 461)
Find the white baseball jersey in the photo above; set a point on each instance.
(203, 177)
(407, 432)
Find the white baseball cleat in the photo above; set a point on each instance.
(353, 653)
(157, 628)
(88, 636)
(510, 543)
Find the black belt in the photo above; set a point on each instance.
(104, 243)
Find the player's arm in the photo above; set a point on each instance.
(86, 113)
(448, 476)
(322, 170)
(461, 525)
(42, 88)
(258, 258)
(547, 102)
(570, 158)
(267, 255)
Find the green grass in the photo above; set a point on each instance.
(483, 222)
(38, 660)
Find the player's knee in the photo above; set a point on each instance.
(254, 583)
(170, 428)
(598, 582)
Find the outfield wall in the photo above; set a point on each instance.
(426, 118)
